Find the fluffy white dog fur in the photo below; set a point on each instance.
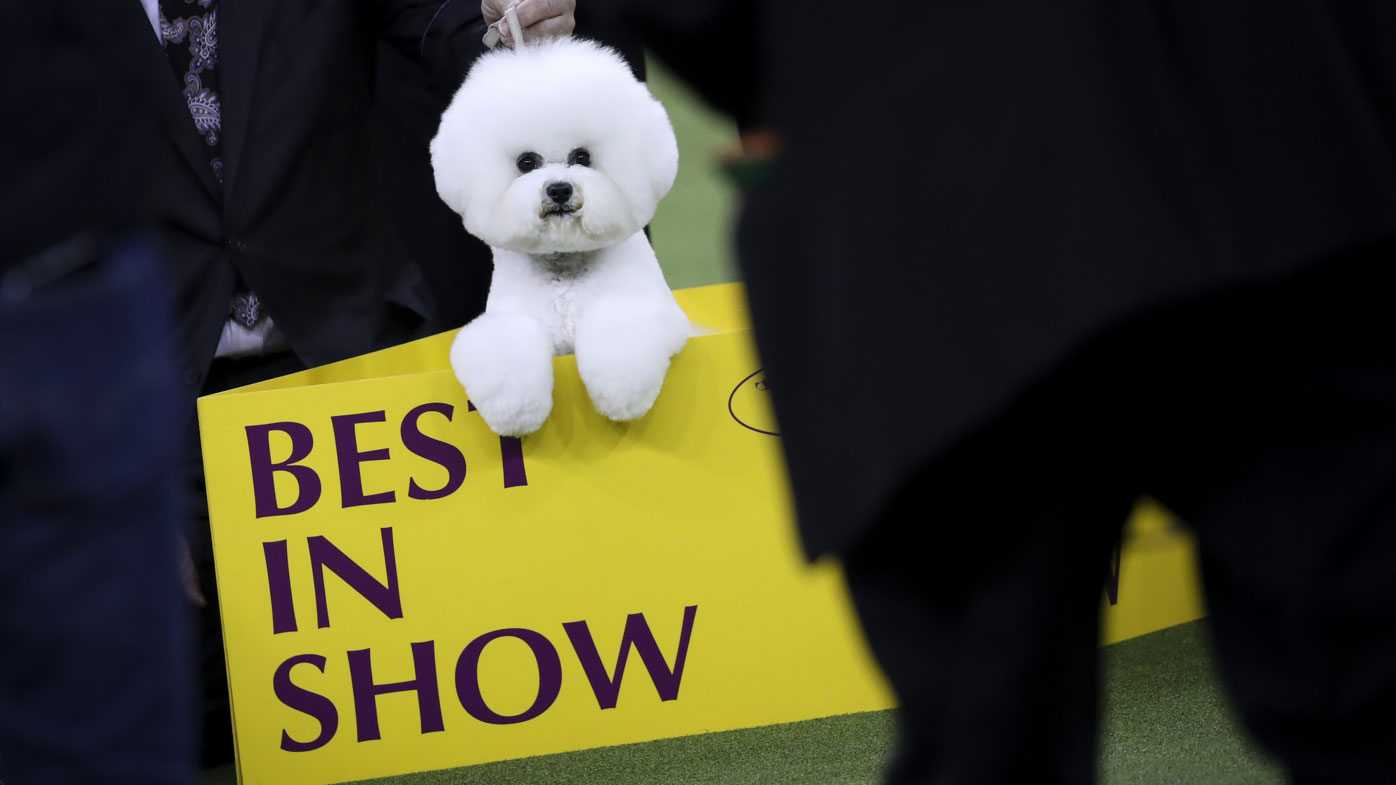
(573, 272)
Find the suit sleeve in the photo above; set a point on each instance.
(444, 36)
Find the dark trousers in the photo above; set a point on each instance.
(1266, 420)
(95, 656)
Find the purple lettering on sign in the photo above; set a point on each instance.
(264, 470)
(346, 445)
(637, 633)
(386, 598)
(305, 702)
(283, 609)
(366, 692)
(511, 453)
(441, 453)
(468, 677)
(511, 450)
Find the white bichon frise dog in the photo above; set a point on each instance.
(556, 156)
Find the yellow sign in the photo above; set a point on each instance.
(402, 590)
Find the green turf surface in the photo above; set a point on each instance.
(849, 749)
(1165, 722)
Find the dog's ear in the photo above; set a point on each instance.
(662, 150)
(448, 161)
(466, 138)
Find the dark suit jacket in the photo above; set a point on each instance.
(972, 191)
(300, 214)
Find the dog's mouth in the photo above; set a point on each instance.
(552, 210)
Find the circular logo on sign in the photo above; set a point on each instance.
(750, 404)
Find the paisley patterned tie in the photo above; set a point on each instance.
(189, 33)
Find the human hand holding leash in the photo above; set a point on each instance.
(537, 19)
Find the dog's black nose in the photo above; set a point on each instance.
(559, 192)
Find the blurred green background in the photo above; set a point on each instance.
(1165, 718)
(692, 230)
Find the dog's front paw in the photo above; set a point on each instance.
(505, 364)
(623, 351)
(623, 391)
(514, 413)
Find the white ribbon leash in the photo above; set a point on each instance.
(495, 33)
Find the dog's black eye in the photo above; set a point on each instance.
(529, 161)
(579, 157)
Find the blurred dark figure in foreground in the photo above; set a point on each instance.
(1017, 263)
(94, 646)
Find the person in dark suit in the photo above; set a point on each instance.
(1017, 263)
(281, 250)
(95, 665)
(267, 189)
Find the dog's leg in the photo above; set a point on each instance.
(623, 349)
(505, 362)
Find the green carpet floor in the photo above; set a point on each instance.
(1165, 718)
(1165, 722)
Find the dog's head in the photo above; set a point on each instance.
(555, 147)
